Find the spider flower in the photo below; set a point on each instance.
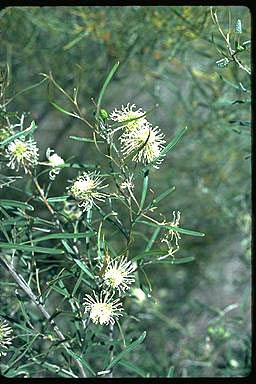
(102, 308)
(85, 189)
(118, 275)
(146, 142)
(127, 113)
(22, 152)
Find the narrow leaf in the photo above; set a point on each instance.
(145, 188)
(82, 361)
(25, 132)
(63, 236)
(84, 268)
(62, 109)
(132, 367)
(163, 195)
(130, 347)
(107, 81)
(30, 248)
(17, 204)
(78, 138)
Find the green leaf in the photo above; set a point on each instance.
(80, 165)
(30, 248)
(145, 188)
(56, 106)
(57, 199)
(82, 361)
(107, 81)
(174, 141)
(228, 82)
(128, 349)
(17, 204)
(63, 236)
(148, 253)
(84, 268)
(132, 367)
(25, 132)
(2, 228)
(77, 285)
(153, 238)
(163, 195)
(75, 41)
(170, 372)
(78, 138)
(175, 261)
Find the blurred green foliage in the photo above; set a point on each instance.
(168, 57)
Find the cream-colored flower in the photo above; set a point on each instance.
(55, 161)
(118, 275)
(22, 152)
(5, 337)
(146, 142)
(103, 309)
(127, 113)
(175, 223)
(172, 234)
(85, 189)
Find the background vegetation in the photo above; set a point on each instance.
(198, 322)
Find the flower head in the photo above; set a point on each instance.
(5, 338)
(85, 189)
(146, 141)
(102, 309)
(22, 152)
(55, 161)
(118, 274)
(127, 113)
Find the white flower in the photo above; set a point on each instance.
(175, 223)
(55, 161)
(102, 309)
(172, 234)
(127, 113)
(146, 141)
(118, 274)
(5, 338)
(22, 152)
(85, 189)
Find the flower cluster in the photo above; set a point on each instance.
(5, 337)
(21, 152)
(139, 139)
(85, 189)
(103, 309)
(116, 275)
